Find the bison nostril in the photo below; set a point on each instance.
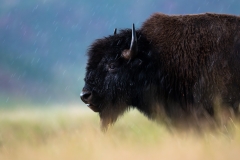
(85, 96)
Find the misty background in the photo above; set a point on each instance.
(43, 43)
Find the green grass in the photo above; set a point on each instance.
(75, 134)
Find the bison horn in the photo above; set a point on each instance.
(115, 31)
(132, 52)
(133, 47)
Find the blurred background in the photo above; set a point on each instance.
(43, 43)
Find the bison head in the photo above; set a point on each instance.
(119, 75)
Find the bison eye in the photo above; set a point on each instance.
(112, 67)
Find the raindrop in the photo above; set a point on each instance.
(49, 98)
(32, 60)
(118, 42)
(64, 72)
(66, 88)
(38, 33)
(35, 8)
(7, 100)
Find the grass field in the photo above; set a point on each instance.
(74, 134)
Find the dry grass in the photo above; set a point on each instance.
(74, 134)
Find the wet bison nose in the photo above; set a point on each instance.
(85, 96)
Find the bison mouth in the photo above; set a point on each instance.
(93, 107)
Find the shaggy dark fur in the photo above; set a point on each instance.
(183, 65)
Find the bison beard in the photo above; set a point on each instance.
(173, 69)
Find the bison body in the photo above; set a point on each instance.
(173, 67)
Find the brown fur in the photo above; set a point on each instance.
(193, 44)
(189, 40)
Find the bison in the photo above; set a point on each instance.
(174, 68)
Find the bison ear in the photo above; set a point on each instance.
(132, 52)
(115, 31)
